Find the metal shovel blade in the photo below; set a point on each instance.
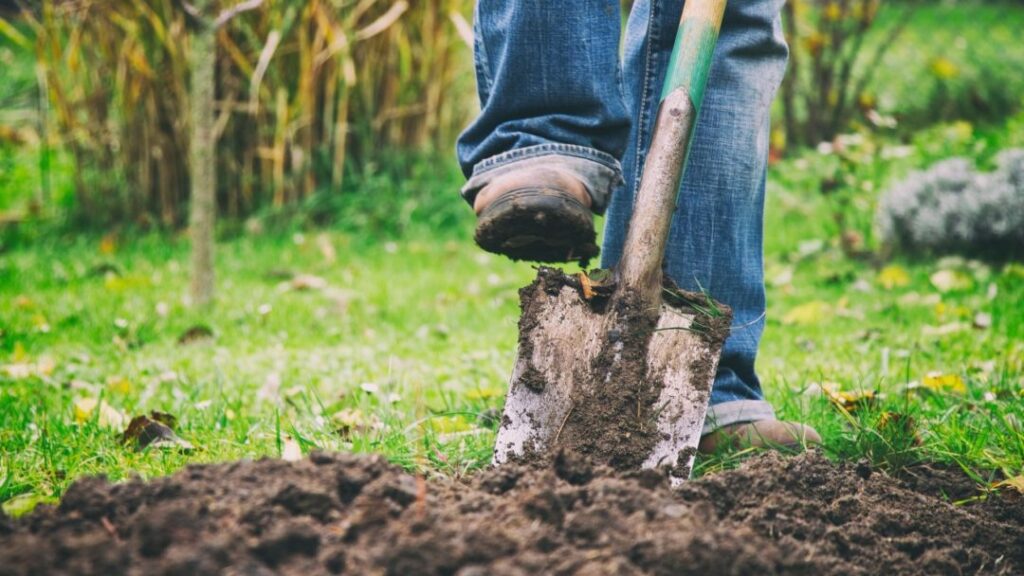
(558, 371)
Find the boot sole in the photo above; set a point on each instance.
(538, 225)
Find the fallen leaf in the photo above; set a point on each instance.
(992, 291)
(982, 321)
(304, 282)
(861, 285)
(951, 280)
(944, 329)
(781, 277)
(22, 367)
(1016, 483)
(326, 247)
(271, 389)
(108, 245)
(107, 417)
(893, 276)
(808, 313)
(939, 382)
(119, 385)
(19, 370)
(154, 432)
(810, 247)
(850, 401)
(349, 421)
(449, 424)
(290, 450)
(916, 299)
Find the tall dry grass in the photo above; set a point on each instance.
(307, 91)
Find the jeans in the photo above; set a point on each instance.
(555, 87)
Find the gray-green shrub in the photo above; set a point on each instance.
(953, 209)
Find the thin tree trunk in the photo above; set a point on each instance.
(203, 162)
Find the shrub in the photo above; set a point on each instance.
(951, 208)
(832, 63)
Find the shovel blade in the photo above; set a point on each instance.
(561, 335)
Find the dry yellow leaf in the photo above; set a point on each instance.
(108, 244)
(109, 417)
(808, 313)
(1015, 483)
(939, 382)
(851, 401)
(893, 276)
(449, 424)
(349, 421)
(119, 384)
(951, 280)
(23, 368)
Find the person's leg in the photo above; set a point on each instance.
(551, 97)
(716, 239)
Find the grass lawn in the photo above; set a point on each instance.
(403, 346)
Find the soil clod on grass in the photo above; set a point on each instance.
(349, 514)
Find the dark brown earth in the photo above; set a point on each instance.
(347, 514)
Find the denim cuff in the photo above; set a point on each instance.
(599, 172)
(735, 412)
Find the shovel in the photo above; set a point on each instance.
(617, 365)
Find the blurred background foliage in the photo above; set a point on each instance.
(344, 112)
(307, 92)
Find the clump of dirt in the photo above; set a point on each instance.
(617, 422)
(614, 418)
(348, 514)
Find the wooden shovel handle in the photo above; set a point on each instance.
(640, 267)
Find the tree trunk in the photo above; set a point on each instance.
(203, 164)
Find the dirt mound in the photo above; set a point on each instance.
(347, 514)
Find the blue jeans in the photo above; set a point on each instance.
(554, 88)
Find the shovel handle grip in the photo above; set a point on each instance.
(640, 266)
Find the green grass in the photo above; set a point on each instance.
(407, 352)
(978, 45)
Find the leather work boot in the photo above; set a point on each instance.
(774, 434)
(538, 214)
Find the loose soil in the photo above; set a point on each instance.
(349, 514)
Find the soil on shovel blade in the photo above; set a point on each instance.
(615, 420)
(348, 514)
